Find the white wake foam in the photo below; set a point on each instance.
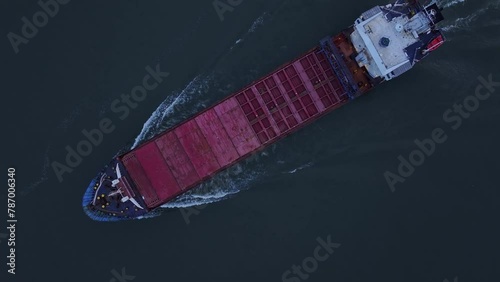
(467, 22)
(220, 187)
(299, 168)
(449, 3)
(199, 85)
(224, 184)
(260, 21)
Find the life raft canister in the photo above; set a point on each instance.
(435, 43)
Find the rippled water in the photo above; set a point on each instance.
(265, 213)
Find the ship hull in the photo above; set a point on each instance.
(326, 77)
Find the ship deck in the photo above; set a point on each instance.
(360, 76)
(245, 122)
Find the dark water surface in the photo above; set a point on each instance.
(265, 214)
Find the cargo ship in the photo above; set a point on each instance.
(382, 44)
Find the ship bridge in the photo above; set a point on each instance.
(388, 39)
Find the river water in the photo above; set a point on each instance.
(256, 220)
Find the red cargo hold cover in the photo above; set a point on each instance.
(247, 121)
